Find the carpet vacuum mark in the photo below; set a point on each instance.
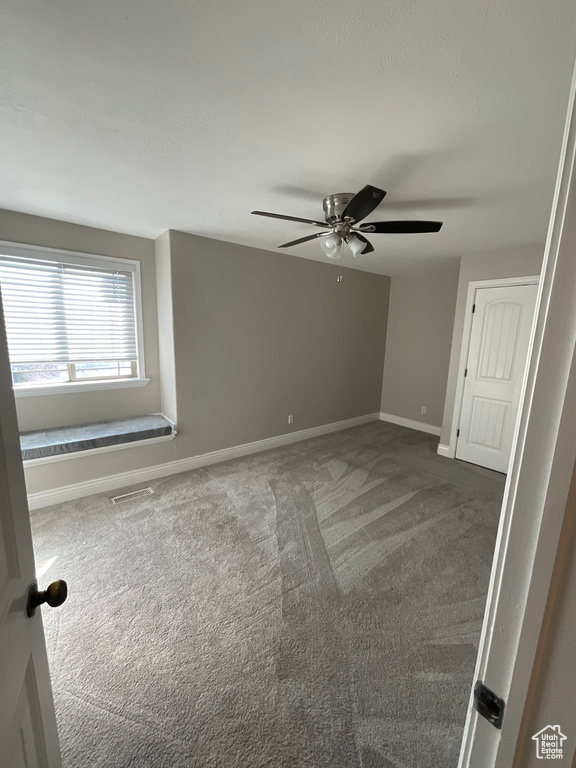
(314, 606)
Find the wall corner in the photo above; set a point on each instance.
(163, 258)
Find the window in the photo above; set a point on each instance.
(72, 320)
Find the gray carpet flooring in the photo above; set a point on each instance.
(317, 605)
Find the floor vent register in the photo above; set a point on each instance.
(131, 496)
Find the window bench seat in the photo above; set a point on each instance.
(63, 441)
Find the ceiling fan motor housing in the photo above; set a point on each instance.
(334, 206)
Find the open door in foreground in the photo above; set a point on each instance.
(521, 633)
(28, 737)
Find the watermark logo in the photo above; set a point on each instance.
(549, 743)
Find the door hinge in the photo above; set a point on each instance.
(465, 372)
(457, 433)
(487, 704)
(473, 308)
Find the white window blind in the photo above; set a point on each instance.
(62, 312)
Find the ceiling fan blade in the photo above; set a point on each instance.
(363, 203)
(368, 247)
(290, 218)
(401, 227)
(304, 239)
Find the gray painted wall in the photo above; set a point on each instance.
(418, 343)
(513, 262)
(260, 335)
(257, 335)
(40, 412)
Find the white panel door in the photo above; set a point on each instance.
(28, 737)
(497, 356)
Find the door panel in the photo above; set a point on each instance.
(495, 369)
(28, 735)
(27, 747)
(488, 423)
(499, 341)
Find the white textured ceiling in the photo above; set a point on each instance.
(139, 116)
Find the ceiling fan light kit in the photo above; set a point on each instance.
(343, 212)
(355, 244)
(332, 246)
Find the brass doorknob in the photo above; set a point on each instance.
(54, 596)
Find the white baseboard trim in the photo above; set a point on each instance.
(411, 424)
(444, 450)
(123, 479)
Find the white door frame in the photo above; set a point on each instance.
(536, 493)
(473, 286)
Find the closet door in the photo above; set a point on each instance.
(494, 372)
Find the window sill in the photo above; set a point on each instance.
(78, 386)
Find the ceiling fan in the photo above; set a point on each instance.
(343, 212)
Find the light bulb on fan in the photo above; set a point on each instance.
(333, 240)
(355, 244)
(332, 246)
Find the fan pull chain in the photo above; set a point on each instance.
(340, 276)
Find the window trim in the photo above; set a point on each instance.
(79, 386)
(94, 260)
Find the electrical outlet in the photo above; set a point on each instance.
(423, 410)
(291, 419)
